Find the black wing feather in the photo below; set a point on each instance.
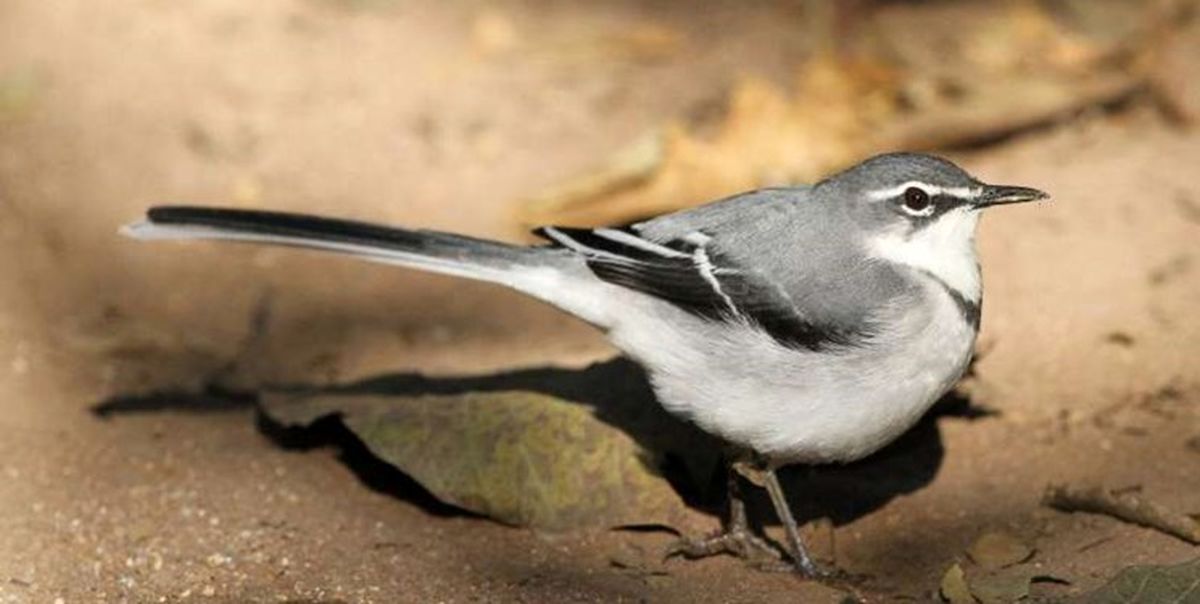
(677, 277)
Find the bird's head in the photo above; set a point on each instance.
(921, 211)
(913, 192)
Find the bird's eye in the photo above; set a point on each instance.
(916, 200)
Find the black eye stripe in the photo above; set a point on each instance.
(938, 199)
(946, 199)
(939, 204)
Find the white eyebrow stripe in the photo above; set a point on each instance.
(932, 190)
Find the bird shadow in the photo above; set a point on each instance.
(618, 393)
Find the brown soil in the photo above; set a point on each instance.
(408, 113)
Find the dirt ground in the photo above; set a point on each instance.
(394, 112)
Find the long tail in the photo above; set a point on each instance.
(511, 265)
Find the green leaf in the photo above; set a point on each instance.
(519, 457)
(1150, 585)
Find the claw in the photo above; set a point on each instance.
(738, 540)
(740, 543)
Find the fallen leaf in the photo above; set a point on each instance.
(1149, 585)
(765, 137)
(522, 458)
(954, 588)
(1001, 588)
(994, 550)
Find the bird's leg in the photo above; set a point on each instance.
(800, 557)
(735, 538)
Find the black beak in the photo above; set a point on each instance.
(994, 195)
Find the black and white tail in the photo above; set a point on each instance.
(457, 255)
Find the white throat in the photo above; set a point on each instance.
(944, 249)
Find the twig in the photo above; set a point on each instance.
(1127, 506)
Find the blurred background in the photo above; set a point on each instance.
(488, 118)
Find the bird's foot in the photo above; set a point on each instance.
(754, 550)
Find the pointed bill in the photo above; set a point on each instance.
(994, 195)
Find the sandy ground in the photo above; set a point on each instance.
(391, 111)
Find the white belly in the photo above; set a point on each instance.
(800, 406)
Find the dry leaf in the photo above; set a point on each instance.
(766, 137)
(1001, 588)
(954, 587)
(1150, 585)
(521, 458)
(994, 550)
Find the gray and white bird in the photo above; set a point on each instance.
(807, 324)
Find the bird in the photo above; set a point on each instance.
(806, 324)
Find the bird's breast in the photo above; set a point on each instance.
(813, 406)
(870, 397)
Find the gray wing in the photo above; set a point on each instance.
(740, 213)
(696, 274)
